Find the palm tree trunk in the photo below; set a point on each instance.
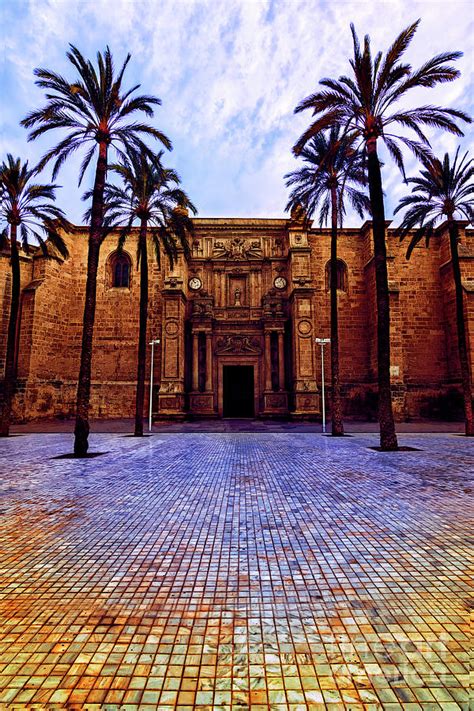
(461, 328)
(337, 429)
(10, 375)
(81, 430)
(140, 398)
(388, 437)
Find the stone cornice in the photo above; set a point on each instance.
(368, 226)
(236, 224)
(462, 258)
(264, 224)
(33, 285)
(443, 227)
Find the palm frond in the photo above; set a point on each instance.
(31, 206)
(363, 102)
(444, 190)
(150, 192)
(330, 161)
(91, 107)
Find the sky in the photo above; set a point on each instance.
(229, 74)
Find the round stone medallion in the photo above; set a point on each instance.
(304, 328)
(171, 328)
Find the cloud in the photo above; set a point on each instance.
(229, 74)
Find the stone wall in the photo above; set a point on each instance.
(50, 334)
(425, 363)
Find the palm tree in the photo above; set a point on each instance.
(364, 103)
(96, 113)
(332, 171)
(150, 196)
(444, 190)
(26, 207)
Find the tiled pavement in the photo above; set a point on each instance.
(225, 571)
(124, 426)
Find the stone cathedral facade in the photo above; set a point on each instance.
(237, 324)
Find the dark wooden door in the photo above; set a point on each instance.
(238, 391)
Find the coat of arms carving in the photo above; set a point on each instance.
(237, 248)
(234, 343)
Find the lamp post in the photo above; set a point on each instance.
(322, 342)
(150, 408)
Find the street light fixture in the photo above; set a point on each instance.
(150, 409)
(323, 342)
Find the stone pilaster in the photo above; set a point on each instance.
(208, 362)
(306, 395)
(195, 374)
(268, 362)
(171, 400)
(281, 361)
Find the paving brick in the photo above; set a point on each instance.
(235, 570)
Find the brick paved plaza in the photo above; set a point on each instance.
(233, 570)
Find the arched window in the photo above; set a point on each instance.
(341, 283)
(119, 270)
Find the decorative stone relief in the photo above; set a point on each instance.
(237, 248)
(277, 247)
(202, 402)
(169, 388)
(169, 403)
(304, 328)
(276, 400)
(238, 313)
(202, 305)
(235, 343)
(171, 328)
(302, 280)
(273, 304)
(197, 249)
(173, 282)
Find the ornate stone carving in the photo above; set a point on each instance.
(197, 249)
(169, 388)
(202, 402)
(273, 304)
(237, 248)
(302, 280)
(171, 328)
(276, 400)
(277, 247)
(304, 328)
(173, 282)
(169, 403)
(202, 306)
(237, 295)
(236, 343)
(238, 313)
(298, 214)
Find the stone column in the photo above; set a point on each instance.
(208, 362)
(281, 361)
(268, 361)
(217, 287)
(223, 290)
(195, 384)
